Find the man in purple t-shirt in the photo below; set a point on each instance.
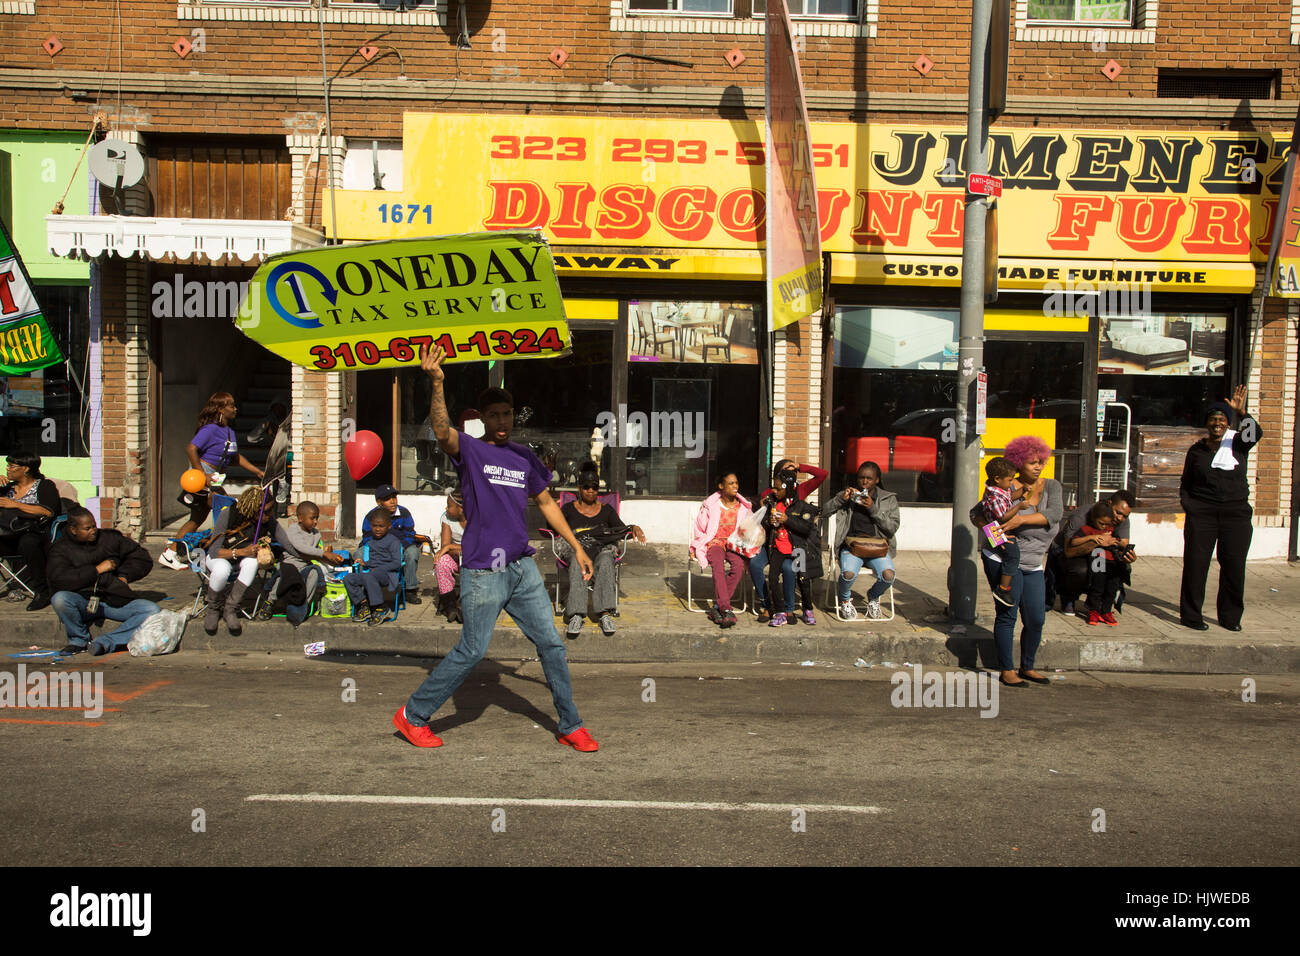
(497, 477)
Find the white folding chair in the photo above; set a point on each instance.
(831, 601)
(691, 564)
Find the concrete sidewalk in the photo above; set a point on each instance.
(655, 626)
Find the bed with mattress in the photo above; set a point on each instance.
(1131, 343)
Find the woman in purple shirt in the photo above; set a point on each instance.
(213, 449)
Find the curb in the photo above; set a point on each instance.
(742, 645)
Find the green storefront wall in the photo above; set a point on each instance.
(35, 170)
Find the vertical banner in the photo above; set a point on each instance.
(1283, 269)
(794, 251)
(25, 340)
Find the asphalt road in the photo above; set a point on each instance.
(709, 772)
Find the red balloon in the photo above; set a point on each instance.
(362, 454)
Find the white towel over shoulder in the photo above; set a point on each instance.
(1223, 457)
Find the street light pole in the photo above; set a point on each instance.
(964, 571)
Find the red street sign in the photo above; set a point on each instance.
(984, 185)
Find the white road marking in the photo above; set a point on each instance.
(549, 802)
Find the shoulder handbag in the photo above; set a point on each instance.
(867, 548)
(15, 522)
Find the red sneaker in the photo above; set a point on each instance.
(1094, 618)
(1109, 618)
(420, 736)
(579, 740)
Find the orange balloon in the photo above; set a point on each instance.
(194, 481)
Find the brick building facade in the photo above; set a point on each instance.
(250, 78)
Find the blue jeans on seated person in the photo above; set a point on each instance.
(784, 572)
(851, 565)
(370, 585)
(517, 589)
(71, 609)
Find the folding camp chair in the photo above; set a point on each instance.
(742, 588)
(562, 564)
(192, 548)
(13, 567)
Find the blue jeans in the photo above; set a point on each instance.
(71, 609)
(1029, 600)
(369, 585)
(517, 589)
(1010, 555)
(412, 556)
(784, 572)
(851, 567)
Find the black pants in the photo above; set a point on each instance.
(1069, 577)
(1207, 525)
(1103, 586)
(31, 547)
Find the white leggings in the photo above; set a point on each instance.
(220, 568)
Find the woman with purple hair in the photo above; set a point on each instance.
(1034, 526)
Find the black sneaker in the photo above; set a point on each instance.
(72, 649)
(413, 597)
(361, 613)
(41, 600)
(714, 616)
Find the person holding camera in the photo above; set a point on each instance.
(1106, 569)
(867, 540)
(793, 548)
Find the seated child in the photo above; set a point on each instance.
(998, 505)
(300, 580)
(1105, 571)
(447, 559)
(381, 561)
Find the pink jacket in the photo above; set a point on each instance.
(707, 521)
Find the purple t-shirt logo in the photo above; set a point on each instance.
(497, 481)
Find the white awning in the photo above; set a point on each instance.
(248, 240)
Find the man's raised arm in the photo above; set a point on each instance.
(439, 420)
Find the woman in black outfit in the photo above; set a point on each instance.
(1216, 500)
(28, 502)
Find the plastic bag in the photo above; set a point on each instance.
(749, 534)
(159, 634)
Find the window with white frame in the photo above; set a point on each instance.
(406, 12)
(1081, 11)
(842, 9)
(1098, 22)
(680, 6)
(850, 19)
